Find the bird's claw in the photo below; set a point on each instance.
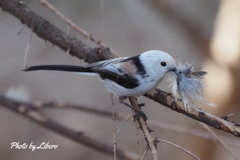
(140, 114)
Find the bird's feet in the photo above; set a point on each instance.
(140, 114)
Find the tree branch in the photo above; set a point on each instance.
(198, 114)
(145, 129)
(178, 147)
(77, 28)
(29, 111)
(45, 30)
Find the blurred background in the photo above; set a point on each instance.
(205, 33)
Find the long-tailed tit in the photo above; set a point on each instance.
(126, 76)
(137, 75)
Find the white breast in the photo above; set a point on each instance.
(118, 90)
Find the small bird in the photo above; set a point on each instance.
(126, 76)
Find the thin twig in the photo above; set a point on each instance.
(77, 28)
(225, 146)
(138, 139)
(179, 147)
(136, 125)
(123, 124)
(114, 130)
(144, 153)
(20, 31)
(143, 125)
(27, 49)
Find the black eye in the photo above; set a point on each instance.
(163, 64)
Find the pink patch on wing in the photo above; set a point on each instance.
(129, 68)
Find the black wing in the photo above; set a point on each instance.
(123, 79)
(109, 69)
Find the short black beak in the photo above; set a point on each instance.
(173, 69)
